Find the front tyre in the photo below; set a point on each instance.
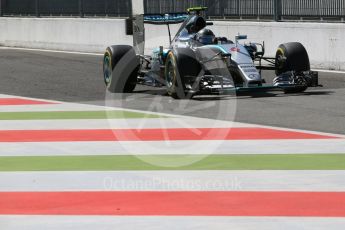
(181, 71)
(291, 57)
(174, 84)
(120, 69)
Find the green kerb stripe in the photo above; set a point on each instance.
(73, 115)
(213, 162)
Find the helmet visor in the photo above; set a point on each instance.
(206, 40)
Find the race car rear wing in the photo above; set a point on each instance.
(156, 19)
(165, 19)
(196, 10)
(135, 26)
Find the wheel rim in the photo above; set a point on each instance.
(170, 75)
(107, 70)
(279, 60)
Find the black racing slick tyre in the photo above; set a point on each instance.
(120, 69)
(291, 57)
(181, 65)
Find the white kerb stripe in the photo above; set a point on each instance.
(167, 223)
(141, 123)
(285, 180)
(336, 146)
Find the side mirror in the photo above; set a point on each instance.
(241, 37)
(209, 23)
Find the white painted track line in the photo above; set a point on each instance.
(53, 108)
(167, 223)
(143, 123)
(174, 147)
(51, 51)
(329, 71)
(287, 180)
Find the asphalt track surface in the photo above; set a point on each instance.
(78, 78)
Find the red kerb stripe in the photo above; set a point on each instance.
(153, 135)
(298, 204)
(20, 101)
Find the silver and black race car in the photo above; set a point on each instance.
(197, 62)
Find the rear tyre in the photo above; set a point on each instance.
(120, 69)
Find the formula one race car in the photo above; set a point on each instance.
(197, 62)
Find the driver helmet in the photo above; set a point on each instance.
(205, 36)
